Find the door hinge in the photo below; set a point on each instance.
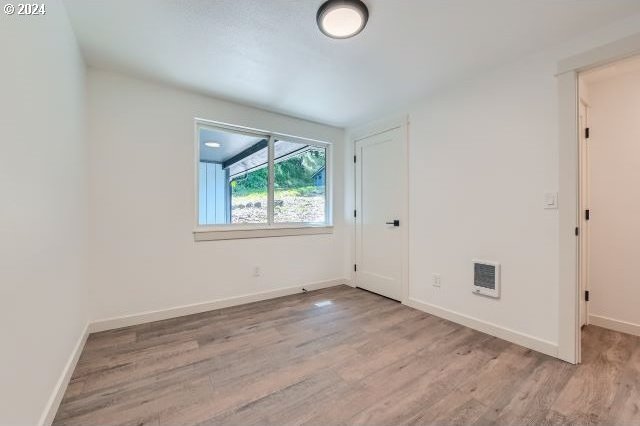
(355, 213)
(577, 231)
(586, 295)
(586, 133)
(587, 214)
(355, 268)
(354, 158)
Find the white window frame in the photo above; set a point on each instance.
(269, 229)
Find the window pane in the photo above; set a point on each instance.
(299, 187)
(233, 177)
(249, 196)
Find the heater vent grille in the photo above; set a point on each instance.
(486, 278)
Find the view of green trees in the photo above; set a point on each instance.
(293, 174)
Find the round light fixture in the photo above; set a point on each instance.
(212, 144)
(342, 18)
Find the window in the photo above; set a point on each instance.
(299, 188)
(257, 180)
(233, 177)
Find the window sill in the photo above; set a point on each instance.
(215, 234)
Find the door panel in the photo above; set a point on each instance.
(379, 200)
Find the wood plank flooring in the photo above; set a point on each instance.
(362, 359)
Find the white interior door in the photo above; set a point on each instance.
(380, 213)
(583, 272)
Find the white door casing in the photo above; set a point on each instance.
(569, 342)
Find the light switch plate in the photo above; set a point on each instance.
(550, 200)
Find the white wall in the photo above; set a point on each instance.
(614, 150)
(144, 257)
(43, 213)
(482, 154)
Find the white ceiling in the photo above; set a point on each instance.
(270, 53)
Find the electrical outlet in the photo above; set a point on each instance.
(256, 271)
(435, 280)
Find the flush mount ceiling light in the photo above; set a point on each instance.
(212, 144)
(342, 18)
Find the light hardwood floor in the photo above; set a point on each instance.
(362, 359)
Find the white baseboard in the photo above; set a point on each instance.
(614, 324)
(61, 385)
(539, 345)
(196, 308)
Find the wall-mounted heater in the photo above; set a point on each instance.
(486, 278)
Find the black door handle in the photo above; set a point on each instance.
(394, 223)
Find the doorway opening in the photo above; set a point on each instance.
(609, 196)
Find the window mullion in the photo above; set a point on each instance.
(271, 182)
